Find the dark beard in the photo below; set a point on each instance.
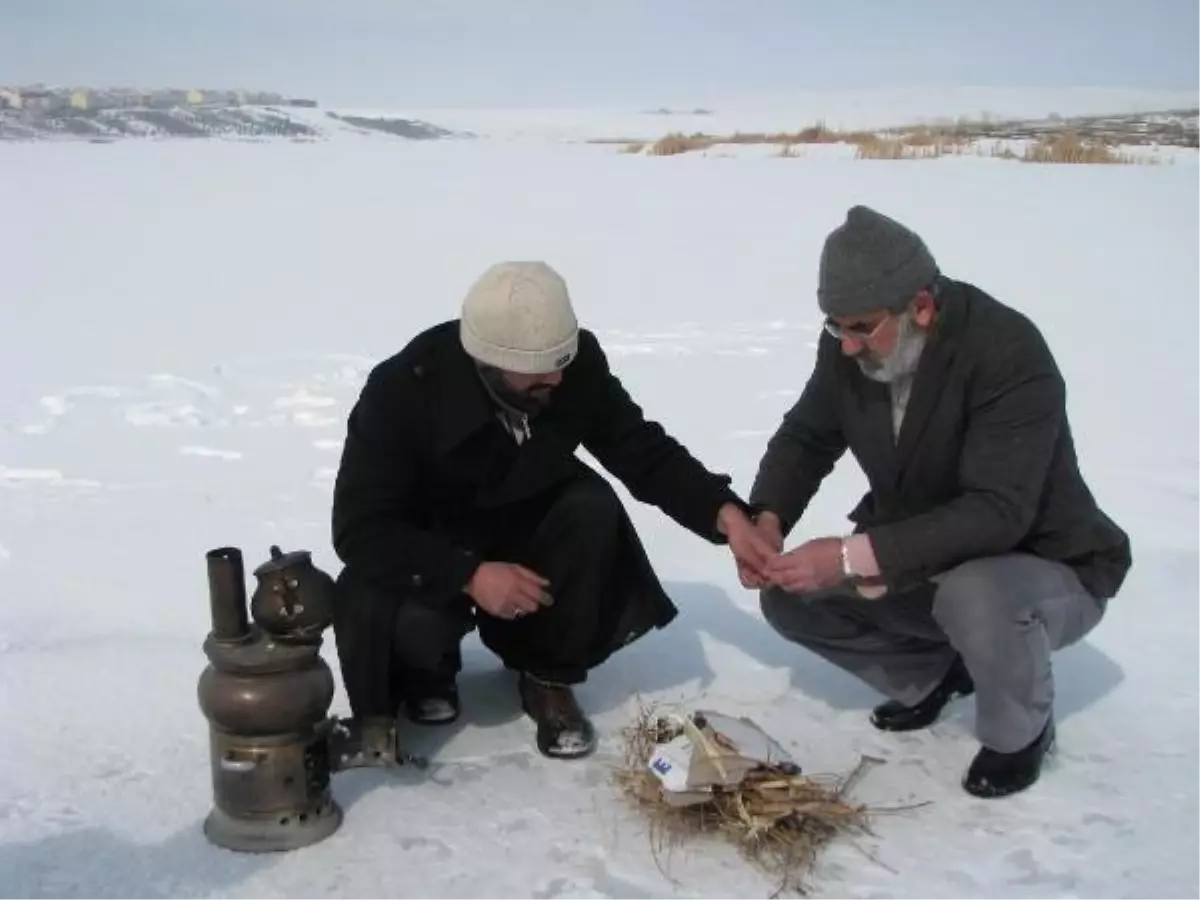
(529, 402)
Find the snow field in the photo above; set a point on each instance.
(187, 325)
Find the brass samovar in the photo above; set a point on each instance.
(266, 693)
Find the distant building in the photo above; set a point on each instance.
(170, 98)
(42, 101)
(126, 97)
(221, 98)
(264, 98)
(41, 98)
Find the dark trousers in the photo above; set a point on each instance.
(571, 536)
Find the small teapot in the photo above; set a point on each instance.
(294, 599)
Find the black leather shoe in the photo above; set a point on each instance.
(993, 774)
(895, 716)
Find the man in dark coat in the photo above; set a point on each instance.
(979, 548)
(460, 503)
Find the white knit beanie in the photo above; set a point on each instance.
(517, 316)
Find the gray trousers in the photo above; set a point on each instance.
(1003, 614)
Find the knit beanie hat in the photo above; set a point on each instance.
(871, 263)
(517, 316)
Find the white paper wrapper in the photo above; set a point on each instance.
(691, 765)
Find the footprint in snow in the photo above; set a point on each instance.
(743, 351)
(307, 409)
(596, 878)
(567, 887)
(1031, 872)
(192, 403)
(197, 387)
(303, 398)
(56, 406)
(48, 477)
(189, 403)
(165, 414)
(437, 847)
(211, 452)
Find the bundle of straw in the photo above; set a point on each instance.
(778, 818)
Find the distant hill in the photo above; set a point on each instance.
(226, 122)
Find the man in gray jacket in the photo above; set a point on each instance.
(979, 548)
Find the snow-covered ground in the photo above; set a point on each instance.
(186, 325)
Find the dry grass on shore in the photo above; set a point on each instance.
(1065, 146)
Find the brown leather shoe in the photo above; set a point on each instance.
(563, 731)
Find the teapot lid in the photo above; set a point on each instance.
(280, 561)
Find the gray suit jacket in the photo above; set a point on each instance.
(984, 463)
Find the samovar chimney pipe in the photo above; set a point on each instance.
(227, 594)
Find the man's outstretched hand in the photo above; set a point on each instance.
(753, 546)
(813, 566)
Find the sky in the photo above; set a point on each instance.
(607, 52)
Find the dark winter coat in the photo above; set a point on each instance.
(984, 463)
(429, 476)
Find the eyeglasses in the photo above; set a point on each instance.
(860, 331)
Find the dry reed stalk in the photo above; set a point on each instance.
(901, 147)
(1070, 149)
(778, 818)
(675, 143)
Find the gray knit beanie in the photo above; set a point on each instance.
(871, 263)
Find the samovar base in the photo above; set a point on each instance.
(289, 831)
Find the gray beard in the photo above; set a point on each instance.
(902, 362)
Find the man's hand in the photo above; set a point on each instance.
(771, 529)
(752, 546)
(810, 567)
(507, 590)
